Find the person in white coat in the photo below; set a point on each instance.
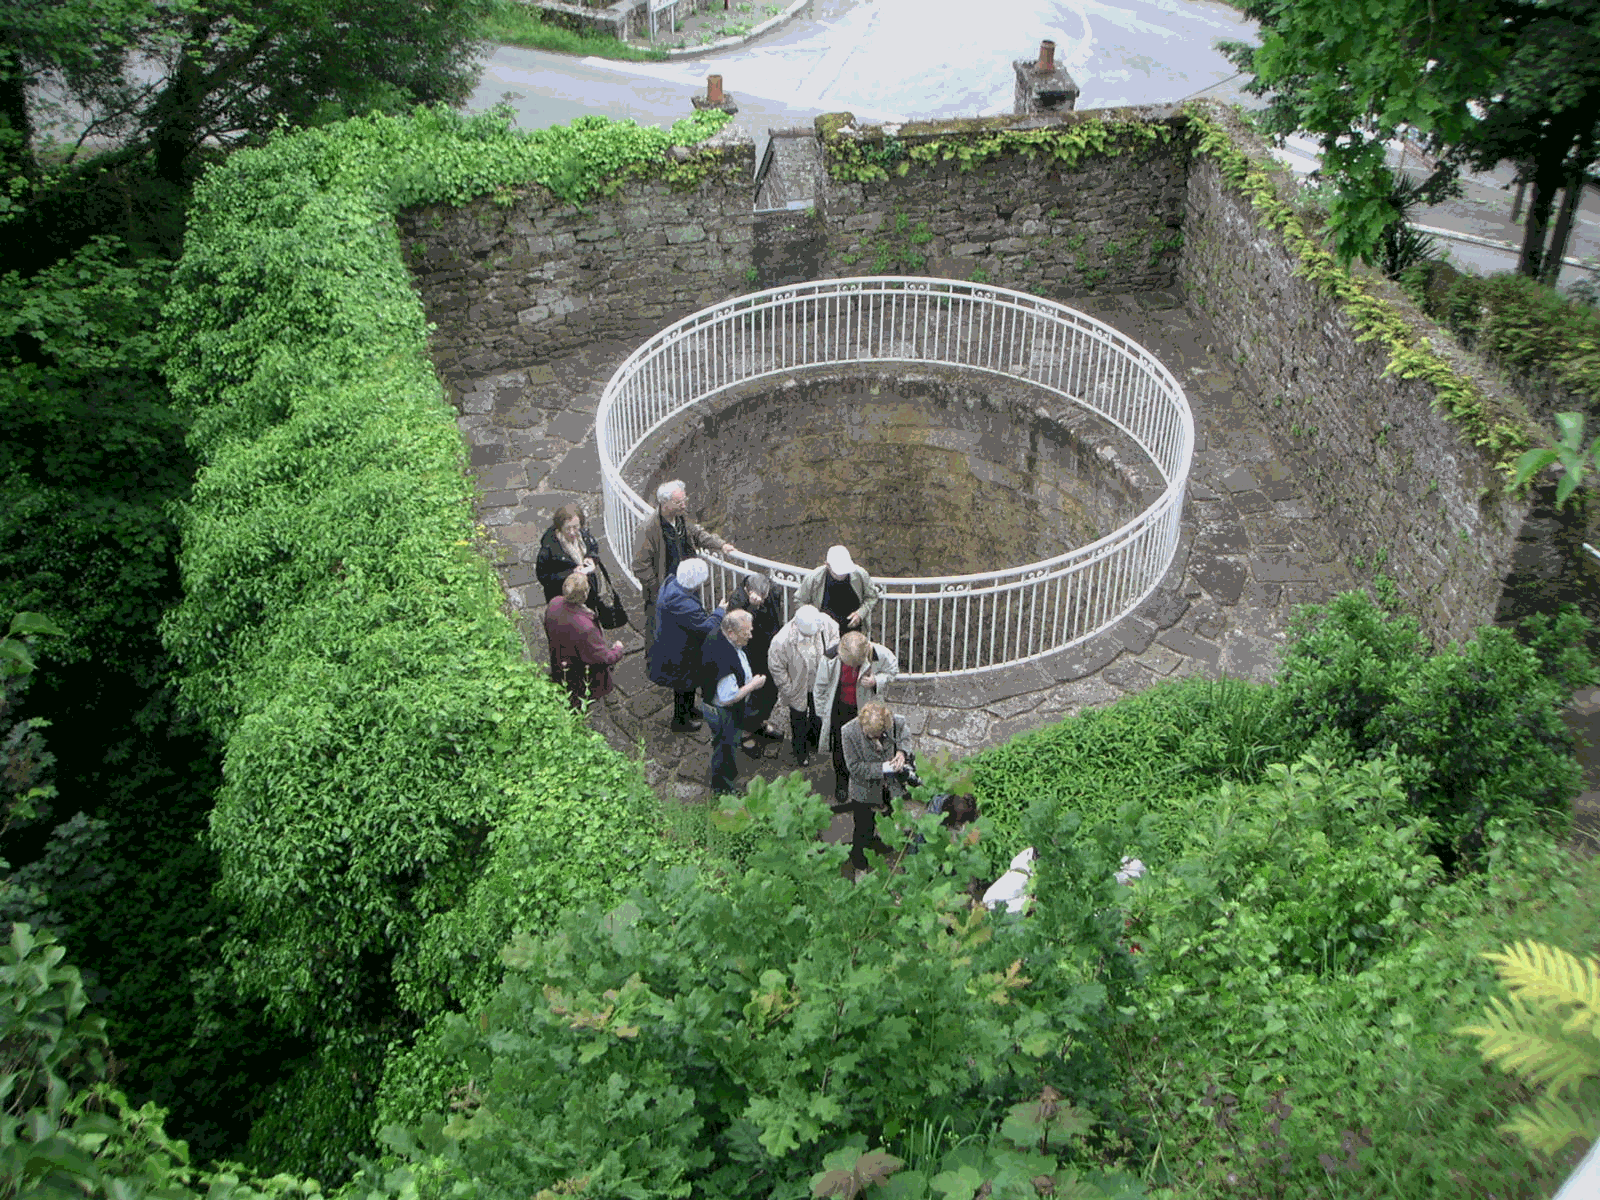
(792, 661)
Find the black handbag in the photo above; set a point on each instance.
(610, 612)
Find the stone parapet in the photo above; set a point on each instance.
(1401, 488)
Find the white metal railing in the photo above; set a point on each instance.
(936, 625)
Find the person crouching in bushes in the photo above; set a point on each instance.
(849, 674)
(877, 753)
(580, 660)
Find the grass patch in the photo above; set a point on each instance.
(514, 24)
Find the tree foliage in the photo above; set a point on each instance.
(1475, 728)
(721, 1040)
(1483, 81)
(92, 455)
(168, 78)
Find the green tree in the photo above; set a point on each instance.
(224, 72)
(1483, 81)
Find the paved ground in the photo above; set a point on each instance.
(1252, 549)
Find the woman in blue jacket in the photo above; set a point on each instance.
(682, 623)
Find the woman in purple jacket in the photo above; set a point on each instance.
(580, 660)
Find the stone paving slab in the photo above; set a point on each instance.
(1252, 549)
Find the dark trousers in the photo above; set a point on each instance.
(724, 727)
(864, 833)
(649, 629)
(682, 707)
(843, 714)
(805, 729)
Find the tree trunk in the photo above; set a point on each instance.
(1550, 271)
(1538, 224)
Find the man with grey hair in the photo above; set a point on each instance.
(726, 682)
(663, 542)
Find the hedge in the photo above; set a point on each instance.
(396, 775)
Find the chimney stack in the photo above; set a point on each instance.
(1042, 86)
(715, 97)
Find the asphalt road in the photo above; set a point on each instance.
(891, 60)
(896, 60)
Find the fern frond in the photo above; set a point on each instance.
(1536, 971)
(1535, 1044)
(1549, 1124)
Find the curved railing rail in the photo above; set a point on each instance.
(936, 625)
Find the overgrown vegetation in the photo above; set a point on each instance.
(1501, 433)
(1516, 321)
(513, 23)
(401, 790)
(1276, 1008)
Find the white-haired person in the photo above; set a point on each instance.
(682, 623)
(727, 682)
(841, 588)
(793, 658)
(851, 674)
(877, 754)
(664, 541)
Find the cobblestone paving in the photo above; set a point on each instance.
(1252, 549)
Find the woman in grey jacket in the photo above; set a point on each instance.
(877, 755)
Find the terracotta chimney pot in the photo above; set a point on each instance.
(714, 89)
(1047, 55)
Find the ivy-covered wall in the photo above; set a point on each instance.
(1402, 450)
(1061, 206)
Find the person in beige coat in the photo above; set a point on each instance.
(850, 674)
(792, 659)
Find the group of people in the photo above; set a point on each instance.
(729, 667)
(741, 660)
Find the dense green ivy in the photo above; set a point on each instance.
(869, 155)
(402, 790)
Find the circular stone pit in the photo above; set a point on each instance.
(931, 471)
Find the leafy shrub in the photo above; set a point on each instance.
(1159, 749)
(1475, 729)
(64, 1130)
(1313, 871)
(723, 1041)
(1519, 321)
(1370, 1063)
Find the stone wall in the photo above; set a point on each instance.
(1111, 223)
(1395, 480)
(510, 285)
